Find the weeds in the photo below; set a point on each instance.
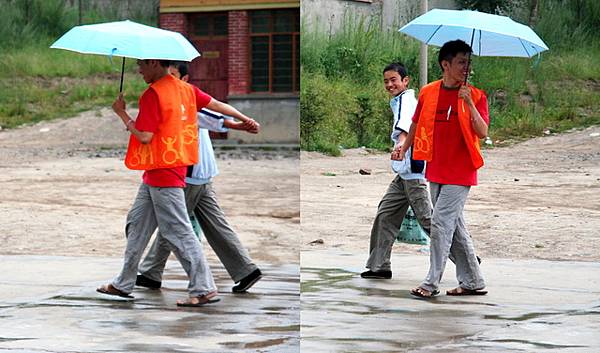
(39, 83)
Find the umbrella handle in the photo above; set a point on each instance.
(122, 72)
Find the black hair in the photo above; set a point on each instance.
(182, 67)
(163, 63)
(450, 49)
(398, 67)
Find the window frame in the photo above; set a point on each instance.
(212, 15)
(295, 47)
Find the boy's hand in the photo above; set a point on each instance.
(119, 104)
(398, 153)
(465, 93)
(251, 126)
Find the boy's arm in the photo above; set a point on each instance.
(400, 150)
(239, 125)
(479, 125)
(211, 121)
(227, 109)
(119, 107)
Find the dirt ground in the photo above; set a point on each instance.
(65, 191)
(536, 199)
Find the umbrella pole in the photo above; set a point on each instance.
(122, 72)
(468, 58)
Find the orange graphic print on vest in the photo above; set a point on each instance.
(423, 143)
(175, 143)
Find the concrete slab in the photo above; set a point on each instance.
(532, 306)
(49, 304)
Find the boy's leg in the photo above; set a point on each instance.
(468, 272)
(390, 213)
(141, 223)
(174, 225)
(448, 201)
(217, 231)
(418, 196)
(154, 263)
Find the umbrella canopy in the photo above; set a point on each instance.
(488, 35)
(129, 40)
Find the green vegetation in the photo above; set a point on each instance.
(343, 102)
(39, 83)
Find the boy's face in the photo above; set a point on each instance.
(149, 69)
(174, 72)
(456, 69)
(393, 83)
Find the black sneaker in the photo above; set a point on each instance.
(377, 274)
(144, 281)
(247, 281)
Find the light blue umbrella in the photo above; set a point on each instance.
(127, 39)
(488, 35)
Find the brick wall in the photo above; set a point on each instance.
(238, 53)
(174, 22)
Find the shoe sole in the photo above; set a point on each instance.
(375, 277)
(248, 286)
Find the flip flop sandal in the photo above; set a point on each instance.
(199, 304)
(110, 290)
(465, 292)
(418, 293)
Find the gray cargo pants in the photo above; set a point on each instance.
(449, 237)
(202, 200)
(390, 213)
(163, 208)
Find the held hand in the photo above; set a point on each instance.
(119, 104)
(398, 153)
(251, 126)
(465, 93)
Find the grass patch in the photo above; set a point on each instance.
(39, 83)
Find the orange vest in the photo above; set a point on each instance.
(423, 143)
(175, 143)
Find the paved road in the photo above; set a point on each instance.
(533, 306)
(49, 304)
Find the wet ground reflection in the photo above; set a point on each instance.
(342, 312)
(71, 317)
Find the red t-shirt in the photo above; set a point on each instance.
(148, 120)
(451, 162)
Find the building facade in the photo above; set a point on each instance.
(250, 58)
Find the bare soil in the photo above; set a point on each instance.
(536, 199)
(65, 191)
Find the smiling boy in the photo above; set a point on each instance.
(449, 120)
(409, 188)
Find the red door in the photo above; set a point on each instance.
(209, 71)
(208, 32)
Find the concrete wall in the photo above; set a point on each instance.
(279, 119)
(328, 15)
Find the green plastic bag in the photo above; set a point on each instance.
(411, 231)
(196, 226)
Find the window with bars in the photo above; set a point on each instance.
(275, 51)
(209, 25)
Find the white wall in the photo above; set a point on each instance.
(327, 15)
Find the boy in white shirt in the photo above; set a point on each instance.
(409, 188)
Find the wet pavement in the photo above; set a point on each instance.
(532, 306)
(49, 304)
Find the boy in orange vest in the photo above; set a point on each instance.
(449, 120)
(202, 202)
(163, 142)
(409, 188)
